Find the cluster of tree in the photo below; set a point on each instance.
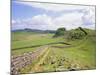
(78, 33)
(74, 35)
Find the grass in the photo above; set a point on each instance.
(81, 54)
(22, 40)
(22, 51)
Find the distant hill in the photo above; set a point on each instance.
(34, 30)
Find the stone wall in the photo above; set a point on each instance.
(24, 60)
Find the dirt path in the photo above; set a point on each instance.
(37, 67)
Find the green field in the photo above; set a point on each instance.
(79, 55)
(23, 39)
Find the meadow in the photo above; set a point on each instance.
(80, 54)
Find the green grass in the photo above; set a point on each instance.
(23, 40)
(22, 51)
(83, 56)
(81, 53)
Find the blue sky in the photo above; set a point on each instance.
(21, 11)
(51, 16)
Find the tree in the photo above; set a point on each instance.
(78, 33)
(83, 30)
(60, 32)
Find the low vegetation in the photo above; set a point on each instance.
(68, 50)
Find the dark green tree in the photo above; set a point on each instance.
(60, 32)
(78, 33)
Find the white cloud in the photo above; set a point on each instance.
(89, 17)
(84, 18)
(45, 22)
(69, 21)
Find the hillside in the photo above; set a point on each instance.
(55, 53)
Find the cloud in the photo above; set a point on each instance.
(13, 21)
(89, 17)
(70, 16)
(45, 22)
(69, 21)
(36, 22)
(53, 7)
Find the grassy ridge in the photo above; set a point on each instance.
(80, 55)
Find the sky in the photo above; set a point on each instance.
(47, 16)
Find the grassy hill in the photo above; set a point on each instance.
(80, 54)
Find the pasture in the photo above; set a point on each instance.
(79, 55)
